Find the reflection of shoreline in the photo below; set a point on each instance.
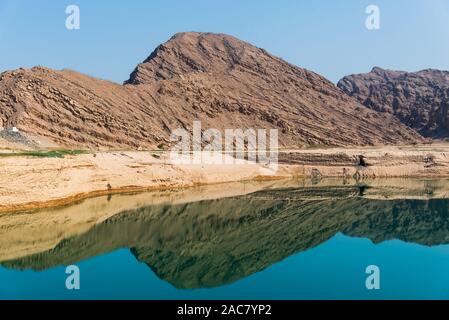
(204, 238)
(23, 233)
(27, 233)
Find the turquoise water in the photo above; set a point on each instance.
(335, 270)
(265, 245)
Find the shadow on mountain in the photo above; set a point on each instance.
(216, 242)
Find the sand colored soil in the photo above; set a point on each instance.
(28, 183)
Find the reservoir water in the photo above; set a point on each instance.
(295, 239)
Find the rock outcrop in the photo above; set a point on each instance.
(214, 78)
(419, 100)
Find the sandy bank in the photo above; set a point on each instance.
(29, 182)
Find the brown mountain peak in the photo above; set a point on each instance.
(195, 52)
(217, 79)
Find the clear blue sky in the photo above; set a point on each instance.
(328, 37)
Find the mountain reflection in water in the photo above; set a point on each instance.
(216, 241)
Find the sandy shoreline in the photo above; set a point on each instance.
(28, 183)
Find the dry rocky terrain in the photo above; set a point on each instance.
(215, 78)
(420, 100)
(225, 83)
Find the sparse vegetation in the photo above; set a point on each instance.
(43, 154)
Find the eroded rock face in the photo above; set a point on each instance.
(194, 52)
(420, 100)
(214, 78)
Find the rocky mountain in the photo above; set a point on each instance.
(418, 99)
(214, 78)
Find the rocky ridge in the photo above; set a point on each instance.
(215, 78)
(420, 100)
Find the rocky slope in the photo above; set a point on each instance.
(420, 100)
(215, 78)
